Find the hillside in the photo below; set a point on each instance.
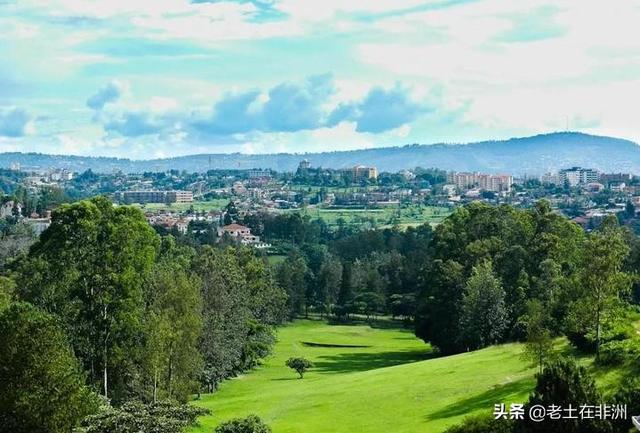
(390, 385)
(529, 155)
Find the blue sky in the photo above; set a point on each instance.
(142, 78)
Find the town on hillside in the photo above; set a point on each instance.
(216, 201)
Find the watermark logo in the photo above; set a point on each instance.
(539, 413)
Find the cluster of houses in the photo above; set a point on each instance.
(180, 222)
(12, 209)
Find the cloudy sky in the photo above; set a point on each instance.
(151, 78)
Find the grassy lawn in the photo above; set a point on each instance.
(386, 216)
(390, 385)
(199, 206)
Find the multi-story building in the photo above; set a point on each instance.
(179, 196)
(154, 197)
(360, 172)
(575, 176)
(607, 178)
(258, 173)
(487, 182)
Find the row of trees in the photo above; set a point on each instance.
(486, 275)
(370, 272)
(496, 269)
(128, 314)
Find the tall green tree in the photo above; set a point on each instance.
(603, 283)
(539, 345)
(173, 330)
(42, 385)
(89, 268)
(329, 281)
(483, 316)
(226, 313)
(293, 275)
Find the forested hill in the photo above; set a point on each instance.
(529, 155)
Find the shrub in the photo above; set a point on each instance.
(564, 383)
(482, 424)
(250, 424)
(136, 417)
(617, 352)
(629, 395)
(301, 365)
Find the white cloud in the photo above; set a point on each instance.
(492, 67)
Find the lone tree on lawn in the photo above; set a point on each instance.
(301, 365)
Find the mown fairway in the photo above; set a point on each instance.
(389, 386)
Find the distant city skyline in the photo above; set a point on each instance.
(149, 79)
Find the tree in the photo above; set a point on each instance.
(329, 281)
(603, 282)
(293, 276)
(250, 424)
(483, 318)
(135, 417)
(7, 290)
(300, 365)
(230, 213)
(563, 383)
(226, 313)
(41, 382)
(173, 329)
(438, 317)
(539, 344)
(89, 268)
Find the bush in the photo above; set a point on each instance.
(482, 424)
(250, 424)
(629, 395)
(564, 383)
(618, 351)
(136, 417)
(621, 330)
(301, 365)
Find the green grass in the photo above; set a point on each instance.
(391, 385)
(384, 216)
(199, 206)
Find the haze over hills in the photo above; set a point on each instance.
(528, 155)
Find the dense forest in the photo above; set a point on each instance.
(125, 323)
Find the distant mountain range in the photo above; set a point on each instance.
(519, 156)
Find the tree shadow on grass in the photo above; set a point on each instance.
(486, 400)
(354, 361)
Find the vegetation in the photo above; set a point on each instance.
(149, 320)
(390, 381)
(250, 424)
(136, 417)
(41, 384)
(300, 365)
(128, 314)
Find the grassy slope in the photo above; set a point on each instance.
(391, 386)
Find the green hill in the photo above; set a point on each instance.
(519, 156)
(388, 385)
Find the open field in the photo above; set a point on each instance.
(404, 216)
(199, 206)
(389, 386)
